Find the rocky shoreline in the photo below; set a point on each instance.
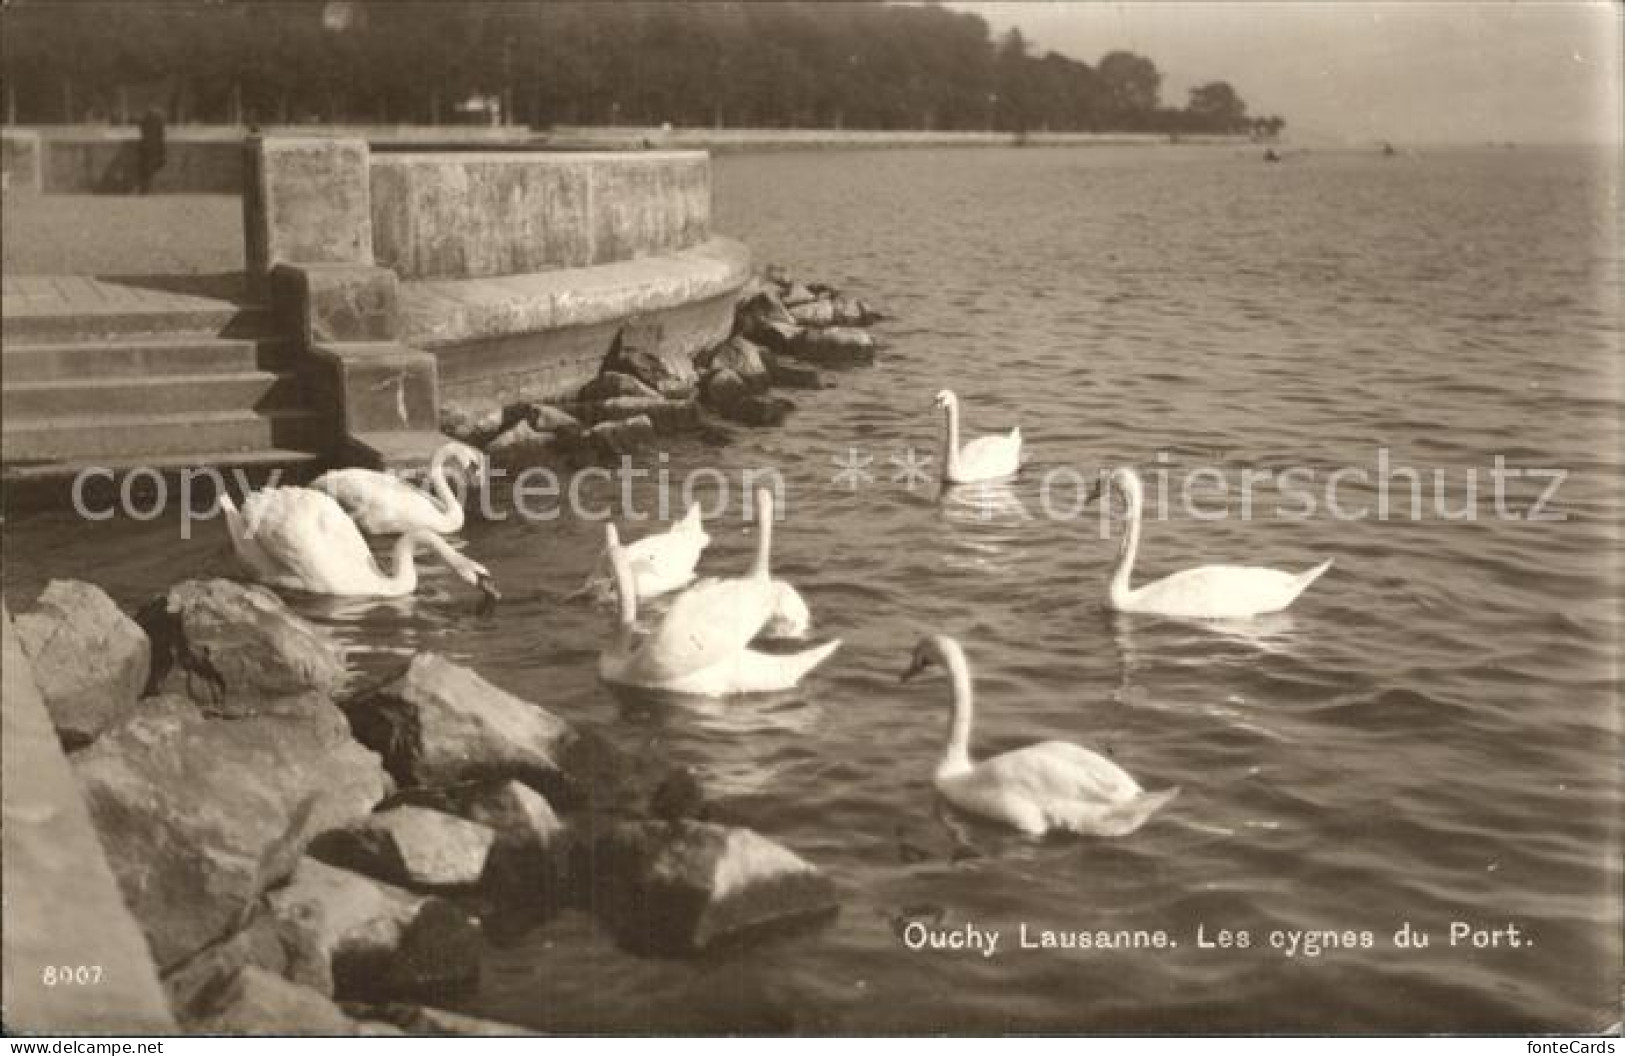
(786, 335)
(305, 856)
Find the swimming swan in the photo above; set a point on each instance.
(301, 539)
(661, 561)
(702, 643)
(985, 458)
(1044, 786)
(383, 504)
(1208, 592)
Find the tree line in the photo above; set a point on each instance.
(860, 65)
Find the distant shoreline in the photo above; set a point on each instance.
(735, 140)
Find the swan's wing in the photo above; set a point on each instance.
(668, 555)
(307, 534)
(991, 455)
(790, 618)
(706, 624)
(1055, 772)
(1220, 591)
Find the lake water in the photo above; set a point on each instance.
(1430, 736)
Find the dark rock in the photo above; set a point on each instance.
(546, 418)
(267, 943)
(238, 650)
(422, 1021)
(850, 311)
(414, 846)
(796, 294)
(765, 306)
(667, 416)
(90, 660)
(760, 410)
(679, 796)
(356, 924)
(254, 1001)
(200, 816)
(770, 334)
(520, 446)
(439, 723)
(788, 373)
(814, 313)
(472, 424)
(610, 384)
(723, 389)
(835, 346)
(778, 275)
(630, 436)
(439, 953)
(639, 350)
(742, 356)
(683, 887)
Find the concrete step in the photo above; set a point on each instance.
(142, 357)
(213, 320)
(117, 436)
(51, 484)
(21, 401)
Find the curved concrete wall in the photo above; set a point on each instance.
(483, 215)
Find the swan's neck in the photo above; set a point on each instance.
(445, 498)
(950, 453)
(764, 542)
(626, 588)
(956, 756)
(1120, 590)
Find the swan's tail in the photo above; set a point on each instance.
(758, 672)
(1301, 584)
(1127, 817)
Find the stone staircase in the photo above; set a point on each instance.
(165, 382)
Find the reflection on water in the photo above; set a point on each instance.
(1431, 733)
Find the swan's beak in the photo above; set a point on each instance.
(1095, 491)
(490, 595)
(914, 668)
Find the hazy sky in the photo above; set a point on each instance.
(1361, 70)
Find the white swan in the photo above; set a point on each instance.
(702, 643)
(383, 504)
(301, 539)
(985, 458)
(1050, 785)
(1208, 592)
(661, 561)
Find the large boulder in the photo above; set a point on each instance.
(284, 948)
(723, 389)
(90, 660)
(772, 334)
(439, 953)
(521, 445)
(629, 436)
(610, 384)
(742, 356)
(255, 1001)
(687, 886)
(787, 372)
(200, 816)
(360, 926)
(237, 650)
(667, 416)
(439, 723)
(640, 350)
(473, 424)
(414, 846)
(835, 346)
(814, 313)
(530, 849)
